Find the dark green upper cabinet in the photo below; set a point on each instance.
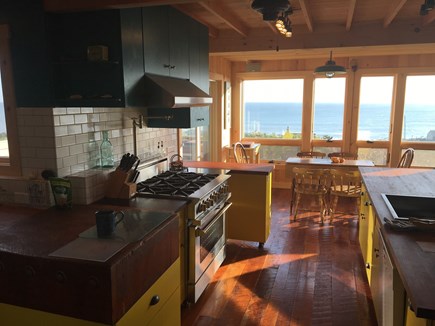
(198, 73)
(166, 41)
(82, 81)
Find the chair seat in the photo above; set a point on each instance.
(346, 190)
(311, 189)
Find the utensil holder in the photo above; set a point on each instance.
(118, 185)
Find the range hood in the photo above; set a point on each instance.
(171, 92)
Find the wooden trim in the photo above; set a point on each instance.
(12, 166)
(398, 108)
(393, 11)
(307, 113)
(350, 14)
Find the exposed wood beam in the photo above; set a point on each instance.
(272, 26)
(212, 31)
(229, 18)
(307, 15)
(79, 5)
(429, 18)
(350, 13)
(394, 10)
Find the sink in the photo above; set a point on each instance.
(404, 207)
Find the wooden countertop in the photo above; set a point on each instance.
(30, 276)
(326, 162)
(232, 167)
(415, 266)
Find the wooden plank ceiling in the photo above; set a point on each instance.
(348, 27)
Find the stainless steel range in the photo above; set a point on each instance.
(203, 230)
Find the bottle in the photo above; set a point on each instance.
(94, 154)
(106, 150)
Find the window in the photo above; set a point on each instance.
(329, 108)
(375, 99)
(272, 108)
(9, 146)
(419, 113)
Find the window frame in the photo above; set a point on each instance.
(9, 166)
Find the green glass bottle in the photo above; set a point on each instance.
(106, 150)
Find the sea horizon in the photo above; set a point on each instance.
(374, 119)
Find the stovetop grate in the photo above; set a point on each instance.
(175, 183)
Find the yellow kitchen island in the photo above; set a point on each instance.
(251, 194)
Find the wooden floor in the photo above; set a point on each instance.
(306, 274)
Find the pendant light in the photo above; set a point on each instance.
(330, 69)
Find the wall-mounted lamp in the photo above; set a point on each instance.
(330, 69)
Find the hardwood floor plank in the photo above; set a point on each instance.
(306, 274)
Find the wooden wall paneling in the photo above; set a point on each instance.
(355, 112)
(236, 109)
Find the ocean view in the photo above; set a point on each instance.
(374, 119)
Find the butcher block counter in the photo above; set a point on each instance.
(251, 194)
(55, 270)
(408, 251)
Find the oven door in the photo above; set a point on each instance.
(206, 252)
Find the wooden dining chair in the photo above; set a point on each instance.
(343, 184)
(239, 153)
(345, 155)
(311, 183)
(406, 159)
(311, 154)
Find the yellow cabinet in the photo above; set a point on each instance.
(367, 223)
(160, 302)
(249, 217)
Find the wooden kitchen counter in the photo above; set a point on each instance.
(100, 290)
(233, 167)
(415, 266)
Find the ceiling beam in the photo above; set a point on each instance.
(393, 11)
(272, 26)
(350, 14)
(80, 5)
(429, 18)
(307, 15)
(212, 31)
(228, 17)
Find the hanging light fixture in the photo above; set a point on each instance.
(278, 11)
(330, 69)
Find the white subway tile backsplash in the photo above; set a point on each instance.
(88, 127)
(59, 111)
(68, 140)
(76, 149)
(72, 110)
(60, 131)
(87, 110)
(66, 120)
(74, 129)
(70, 161)
(80, 118)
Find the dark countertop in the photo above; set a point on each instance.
(95, 290)
(415, 266)
(232, 167)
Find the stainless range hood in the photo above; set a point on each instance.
(171, 92)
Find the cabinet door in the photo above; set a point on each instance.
(178, 44)
(156, 40)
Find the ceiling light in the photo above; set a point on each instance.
(426, 7)
(330, 69)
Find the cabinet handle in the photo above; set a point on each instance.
(363, 217)
(166, 66)
(154, 300)
(171, 67)
(366, 203)
(200, 119)
(368, 265)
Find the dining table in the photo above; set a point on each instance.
(323, 163)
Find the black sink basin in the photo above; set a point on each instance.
(404, 207)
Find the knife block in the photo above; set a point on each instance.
(118, 185)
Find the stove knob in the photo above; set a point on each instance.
(201, 208)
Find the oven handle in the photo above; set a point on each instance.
(202, 232)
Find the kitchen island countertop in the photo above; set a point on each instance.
(415, 266)
(31, 277)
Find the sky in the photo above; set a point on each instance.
(331, 90)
